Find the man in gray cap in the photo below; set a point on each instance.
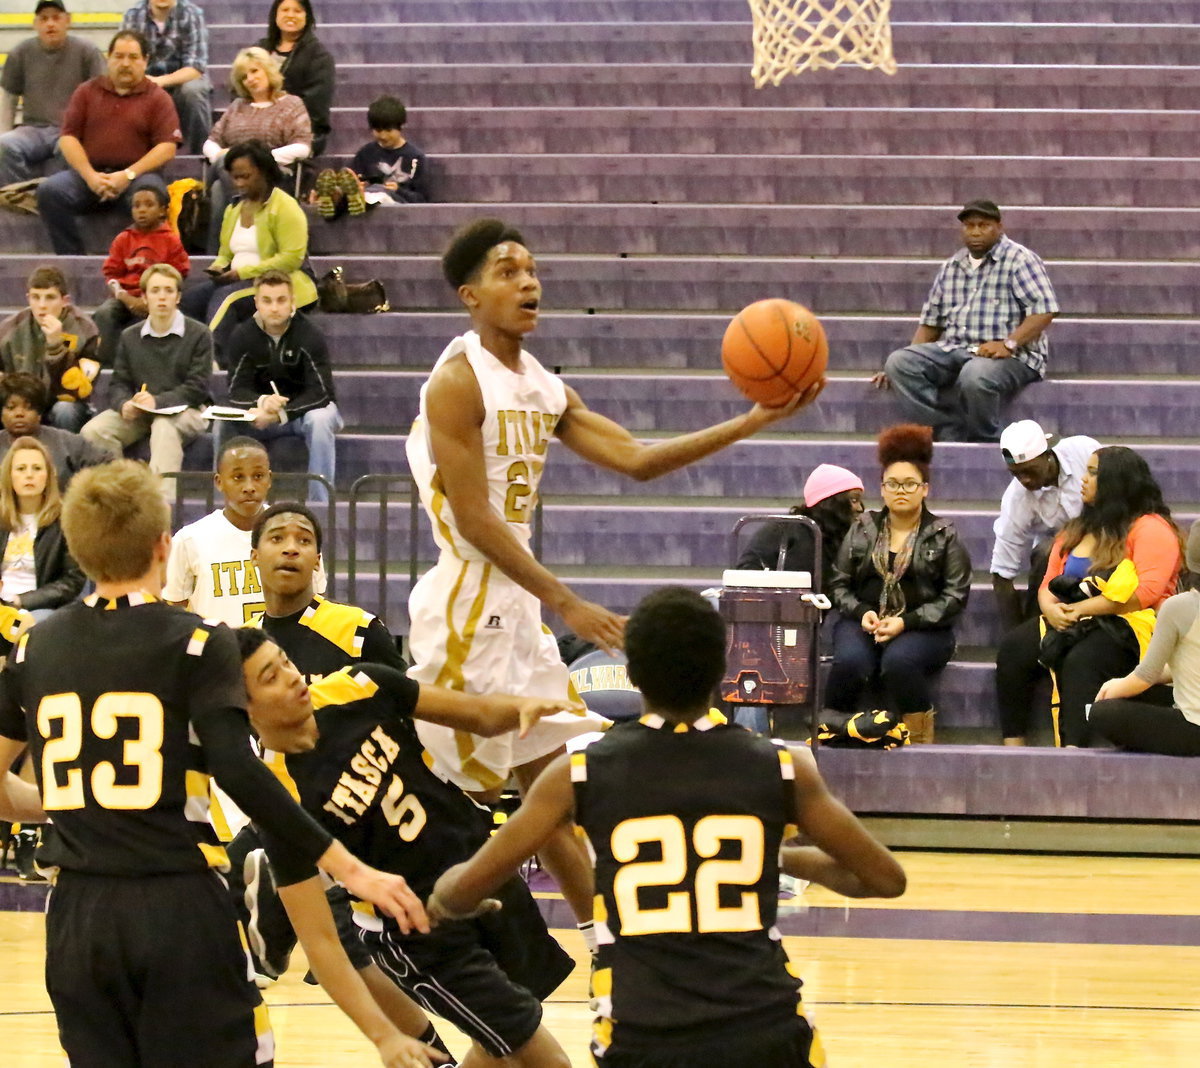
(980, 338)
(1045, 492)
(41, 73)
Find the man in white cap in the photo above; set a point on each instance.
(1045, 492)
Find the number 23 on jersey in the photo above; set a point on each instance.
(141, 761)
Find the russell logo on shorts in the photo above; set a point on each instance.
(493, 623)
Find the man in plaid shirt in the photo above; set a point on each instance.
(178, 60)
(981, 338)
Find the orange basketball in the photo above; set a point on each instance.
(773, 350)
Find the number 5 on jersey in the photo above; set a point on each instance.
(62, 774)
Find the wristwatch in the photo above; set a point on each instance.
(1011, 345)
(131, 174)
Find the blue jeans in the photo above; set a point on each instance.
(63, 196)
(956, 393)
(193, 103)
(25, 150)
(69, 415)
(905, 667)
(318, 428)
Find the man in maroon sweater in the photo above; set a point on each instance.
(118, 131)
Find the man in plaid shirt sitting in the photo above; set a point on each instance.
(177, 60)
(981, 338)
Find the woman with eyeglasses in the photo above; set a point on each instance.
(901, 577)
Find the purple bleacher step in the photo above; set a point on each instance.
(1131, 408)
(729, 42)
(721, 285)
(490, 11)
(952, 780)
(674, 229)
(788, 131)
(915, 85)
(682, 340)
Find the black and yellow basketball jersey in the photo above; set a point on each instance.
(326, 636)
(115, 699)
(686, 824)
(368, 783)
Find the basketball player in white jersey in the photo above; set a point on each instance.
(476, 450)
(210, 571)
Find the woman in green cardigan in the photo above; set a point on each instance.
(264, 229)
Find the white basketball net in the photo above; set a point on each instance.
(791, 36)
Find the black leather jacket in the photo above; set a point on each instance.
(940, 572)
(59, 579)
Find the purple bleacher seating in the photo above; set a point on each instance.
(949, 780)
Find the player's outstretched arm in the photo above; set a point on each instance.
(846, 858)
(464, 888)
(485, 715)
(608, 444)
(454, 409)
(308, 909)
(20, 801)
(387, 892)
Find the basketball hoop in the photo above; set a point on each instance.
(791, 36)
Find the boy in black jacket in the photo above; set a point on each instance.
(280, 373)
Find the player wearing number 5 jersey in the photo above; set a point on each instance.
(348, 749)
(129, 705)
(477, 448)
(686, 816)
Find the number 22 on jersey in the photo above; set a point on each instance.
(669, 833)
(61, 753)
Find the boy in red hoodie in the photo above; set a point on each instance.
(148, 241)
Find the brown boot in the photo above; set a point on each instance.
(920, 727)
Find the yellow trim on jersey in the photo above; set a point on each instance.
(337, 623)
(343, 688)
(195, 645)
(364, 908)
(11, 619)
(218, 819)
(215, 855)
(277, 762)
(480, 772)
(579, 767)
(458, 646)
(436, 504)
(602, 1032)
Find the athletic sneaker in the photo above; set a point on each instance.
(270, 943)
(347, 183)
(327, 184)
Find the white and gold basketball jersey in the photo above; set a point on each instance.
(521, 410)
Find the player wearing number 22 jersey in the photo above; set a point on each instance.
(686, 816)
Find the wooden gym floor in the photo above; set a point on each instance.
(988, 961)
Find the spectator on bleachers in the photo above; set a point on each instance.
(261, 111)
(833, 499)
(148, 241)
(1156, 707)
(280, 371)
(162, 363)
(264, 230)
(308, 68)
(1044, 494)
(901, 578)
(22, 401)
(57, 344)
(40, 75)
(1115, 563)
(177, 60)
(387, 170)
(37, 572)
(118, 131)
(981, 332)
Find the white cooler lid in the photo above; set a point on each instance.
(766, 580)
